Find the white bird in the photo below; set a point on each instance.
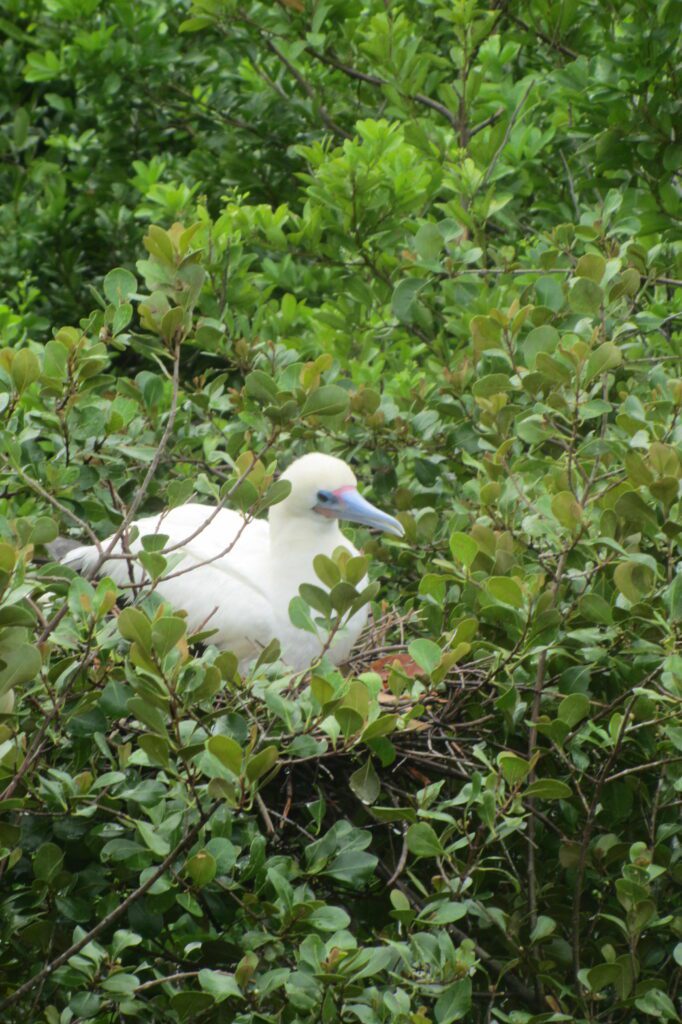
(244, 593)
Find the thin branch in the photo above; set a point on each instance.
(137, 501)
(532, 742)
(512, 121)
(180, 976)
(108, 920)
(56, 504)
(360, 76)
(567, 52)
(308, 89)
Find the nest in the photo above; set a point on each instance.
(442, 735)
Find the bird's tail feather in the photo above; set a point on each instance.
(78, 556)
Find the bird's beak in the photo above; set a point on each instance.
(356, 509)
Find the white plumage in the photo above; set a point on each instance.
(244, 593)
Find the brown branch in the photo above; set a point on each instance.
(567, 52)
(488, 121)
(532, 741)
(517, 986)
(587, 835)
(360, 76)
(106, 921)
(643, 768)
(307, 88)
(180, 976)
(137, 501)
(34, 485)
(38, 742)
(516, 113)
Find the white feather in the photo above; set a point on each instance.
(244, 592)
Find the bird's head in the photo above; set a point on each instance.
(325, 488)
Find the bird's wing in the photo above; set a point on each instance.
(222, 580)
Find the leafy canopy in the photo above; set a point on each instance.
(443, 243)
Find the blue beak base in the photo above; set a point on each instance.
(356, 509)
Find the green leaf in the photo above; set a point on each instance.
(260, 385)
(540, 339)
(455, 1002)
(596, 609)
(592, 266)
(261, 763)
(382, 726)
(444, 913)
(167, 632)
(196, 25)
(328, 400)
(422, 841)
(135, 626)
(426, 653)
(228, 752)
(567, 510)
(220, 985)
(486, 333)
(463, 547)
(491, 384)
(657, 1004)
(173, 324)
(18, 665)
(505, 589)
(573, 709)
(121, 983)
(634, 580)
(607, 357)
(365, 782)
(633, 509)
(544, 927)
(150, 837)
(329, 919)
(675, 599)
(326, 570)
(585, 297)
(201, 868)
(119, 285)
(299, 614)
(47, 862)
(548, 789)
(55, 360)
(405, 297)
(514, 768)
(428, 242)
(25, 369)
(602, 975)
(156, 748)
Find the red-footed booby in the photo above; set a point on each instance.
(244, 593)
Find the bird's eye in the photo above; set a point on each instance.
(325, 498)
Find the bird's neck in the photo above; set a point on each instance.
(287, 532)
(294, 543)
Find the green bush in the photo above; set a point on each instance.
(443, 244)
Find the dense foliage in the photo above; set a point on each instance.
(442, 242)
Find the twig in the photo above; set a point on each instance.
(108, 920)
(512, 121)
(532, 741)
(567, 52)
(587, 834)
(46, 496)
(361, 76)
(137, 501)
(265, 815)
(308, 89)
(402, 861)
(180, 976)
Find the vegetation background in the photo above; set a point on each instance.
(443, 241)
